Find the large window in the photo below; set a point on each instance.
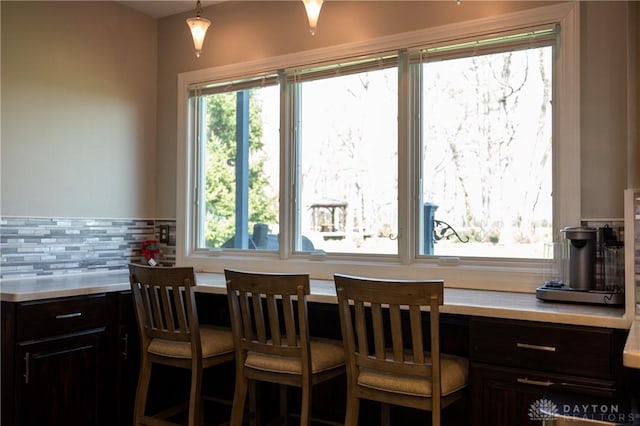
(431, 157)
(237, 181)
(487, 146)
(348, 163)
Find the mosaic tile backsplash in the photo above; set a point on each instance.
(31, 247)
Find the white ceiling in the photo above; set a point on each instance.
(162, 8)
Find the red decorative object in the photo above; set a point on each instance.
(151, 250)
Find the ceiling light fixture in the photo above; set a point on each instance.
(198, 27)
(313, 11)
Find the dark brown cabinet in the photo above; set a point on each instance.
(74, 361)
(55, 367)
(518, 364)
(126, 357)
(59, 380)
(499, 399)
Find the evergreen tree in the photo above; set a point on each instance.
(220, 169)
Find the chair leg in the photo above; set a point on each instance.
(195, 397)
(284, 406)
(254, 410)
(385, 414)
(436, 406)
(142, 390)
(353, 410)
(435, 418)
(239, 397)
(305, 409)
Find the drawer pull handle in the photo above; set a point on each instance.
(125, 343)
(545, 383)
(26, 368)
(536, 347)
(71, 315)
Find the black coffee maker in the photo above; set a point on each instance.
(577, 260)
(582, 243)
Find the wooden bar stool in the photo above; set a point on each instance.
(395, 368)
(272, 339)
(171, 335)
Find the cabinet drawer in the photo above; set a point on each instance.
(584, 351)
(44, 318)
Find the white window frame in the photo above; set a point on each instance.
(489, 274)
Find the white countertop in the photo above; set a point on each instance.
(495, 304)
(631, 353)
(25, 289)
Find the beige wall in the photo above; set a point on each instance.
(246, 31)
(604, 108)
(633, 160)
(78, 110)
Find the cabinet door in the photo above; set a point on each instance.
(514, 396)
(499, 399)
(59, 381)
(127, 359)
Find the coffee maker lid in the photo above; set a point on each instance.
(579, 232)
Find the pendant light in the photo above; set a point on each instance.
(198, 27)
(313, 11)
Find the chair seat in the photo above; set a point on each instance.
(215, 341)
(454, 373)
(325, 355)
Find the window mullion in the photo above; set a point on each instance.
(406, 142)
(288, 176)
(200, 151)
(242, 170)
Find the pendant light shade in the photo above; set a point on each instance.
(198, 27)
(313, 11)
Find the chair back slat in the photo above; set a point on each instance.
(142, 292)
(164, 302)
(360, 338)
(273, 318)
(268, 311)
(396, 332)
(243, 309)
(415, 316)
(181, 315)
(167, 307)
(257, 314)
(289, 321)
(378, 331)
(157, 322)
